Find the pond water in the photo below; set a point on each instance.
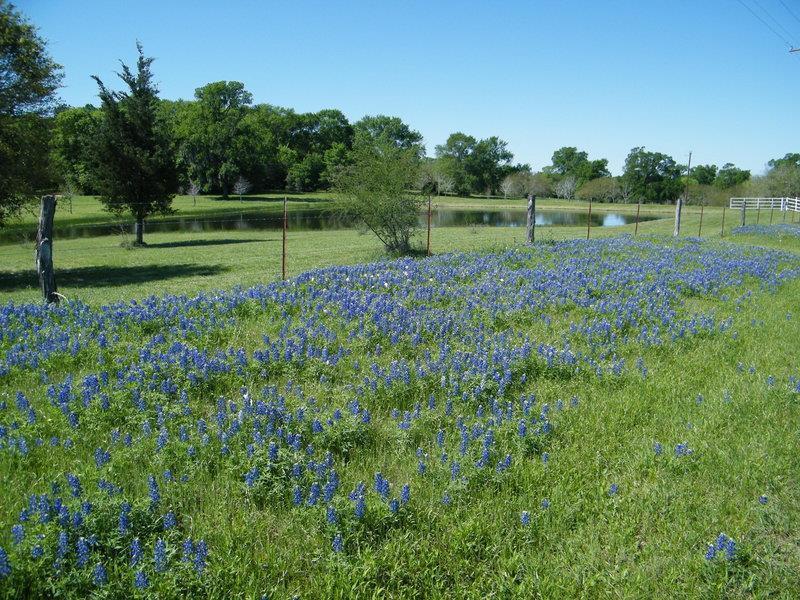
(324, 219)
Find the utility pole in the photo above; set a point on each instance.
(679, 203)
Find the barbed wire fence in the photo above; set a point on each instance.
(307, 218)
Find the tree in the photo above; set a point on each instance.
(385, 130)
(74, 131)
(28, 81)
(566, 187)
(452, 159)
(444, 183)
(216, 138)
(134, 156)
(373, 189)
(487, 164)
(602, 189)
(704, 174)
(652, 176)
(730, 176)
(783, 180)
(508, 185)
(193, 190)
(241, 187)
(569, 161)
(791, 159)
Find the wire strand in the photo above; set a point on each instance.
(766, 24)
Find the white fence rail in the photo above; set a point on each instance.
(782, 204)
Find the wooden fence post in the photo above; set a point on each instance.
(589, 224)
(700, 230)
(530, 230)
(283, 251)
(722, 230)
(44, 250)
(758, 211)
(771, 210)
(744, 206)
(638, 207)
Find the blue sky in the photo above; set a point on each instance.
(670, 75)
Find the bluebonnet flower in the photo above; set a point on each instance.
(545, 457)
(63, 544)
(200, 555)
(337, 543)
(297, 496)
(525, 518)
(124, 520)
(83, 552)
(140, 580)
(394, 505)
(405, 494)
(170, 520)
(330, 514)
(421, 468)
(762, 499)
(18, 533)
(5, 564)
(313, 494)
(101, 457)
(658, 448)
(162, 439)
(730, 549)
(37, 551)
(711, 552)
(99, 575)
(446, 499)
(613, 489)
(155, 495)
(682, 449)
(545, 503)
(252, 476)
(160, 555)
(361, 507)
(136, 552)
(188, 550)
(74, 484)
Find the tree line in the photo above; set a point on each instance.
(136, 150)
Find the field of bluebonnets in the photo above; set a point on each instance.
(614, 417)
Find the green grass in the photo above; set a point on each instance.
(646, 542)
(99, 270)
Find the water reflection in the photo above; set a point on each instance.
(325, 219)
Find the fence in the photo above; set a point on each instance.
(285, 227)
(784, 206)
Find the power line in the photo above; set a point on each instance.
(766, 24)
(790, 11)
(774, 20)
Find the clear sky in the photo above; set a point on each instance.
(604, 75)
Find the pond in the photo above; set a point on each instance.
(324, 219)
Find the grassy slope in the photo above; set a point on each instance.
(648, 541)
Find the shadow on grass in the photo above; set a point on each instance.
(195, 243)
(86, 277)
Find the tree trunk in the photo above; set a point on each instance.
(44, 250)
(139, 231)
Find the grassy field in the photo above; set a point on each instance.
(99, 270)
(579, 419)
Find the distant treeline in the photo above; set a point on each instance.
(221, 137)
